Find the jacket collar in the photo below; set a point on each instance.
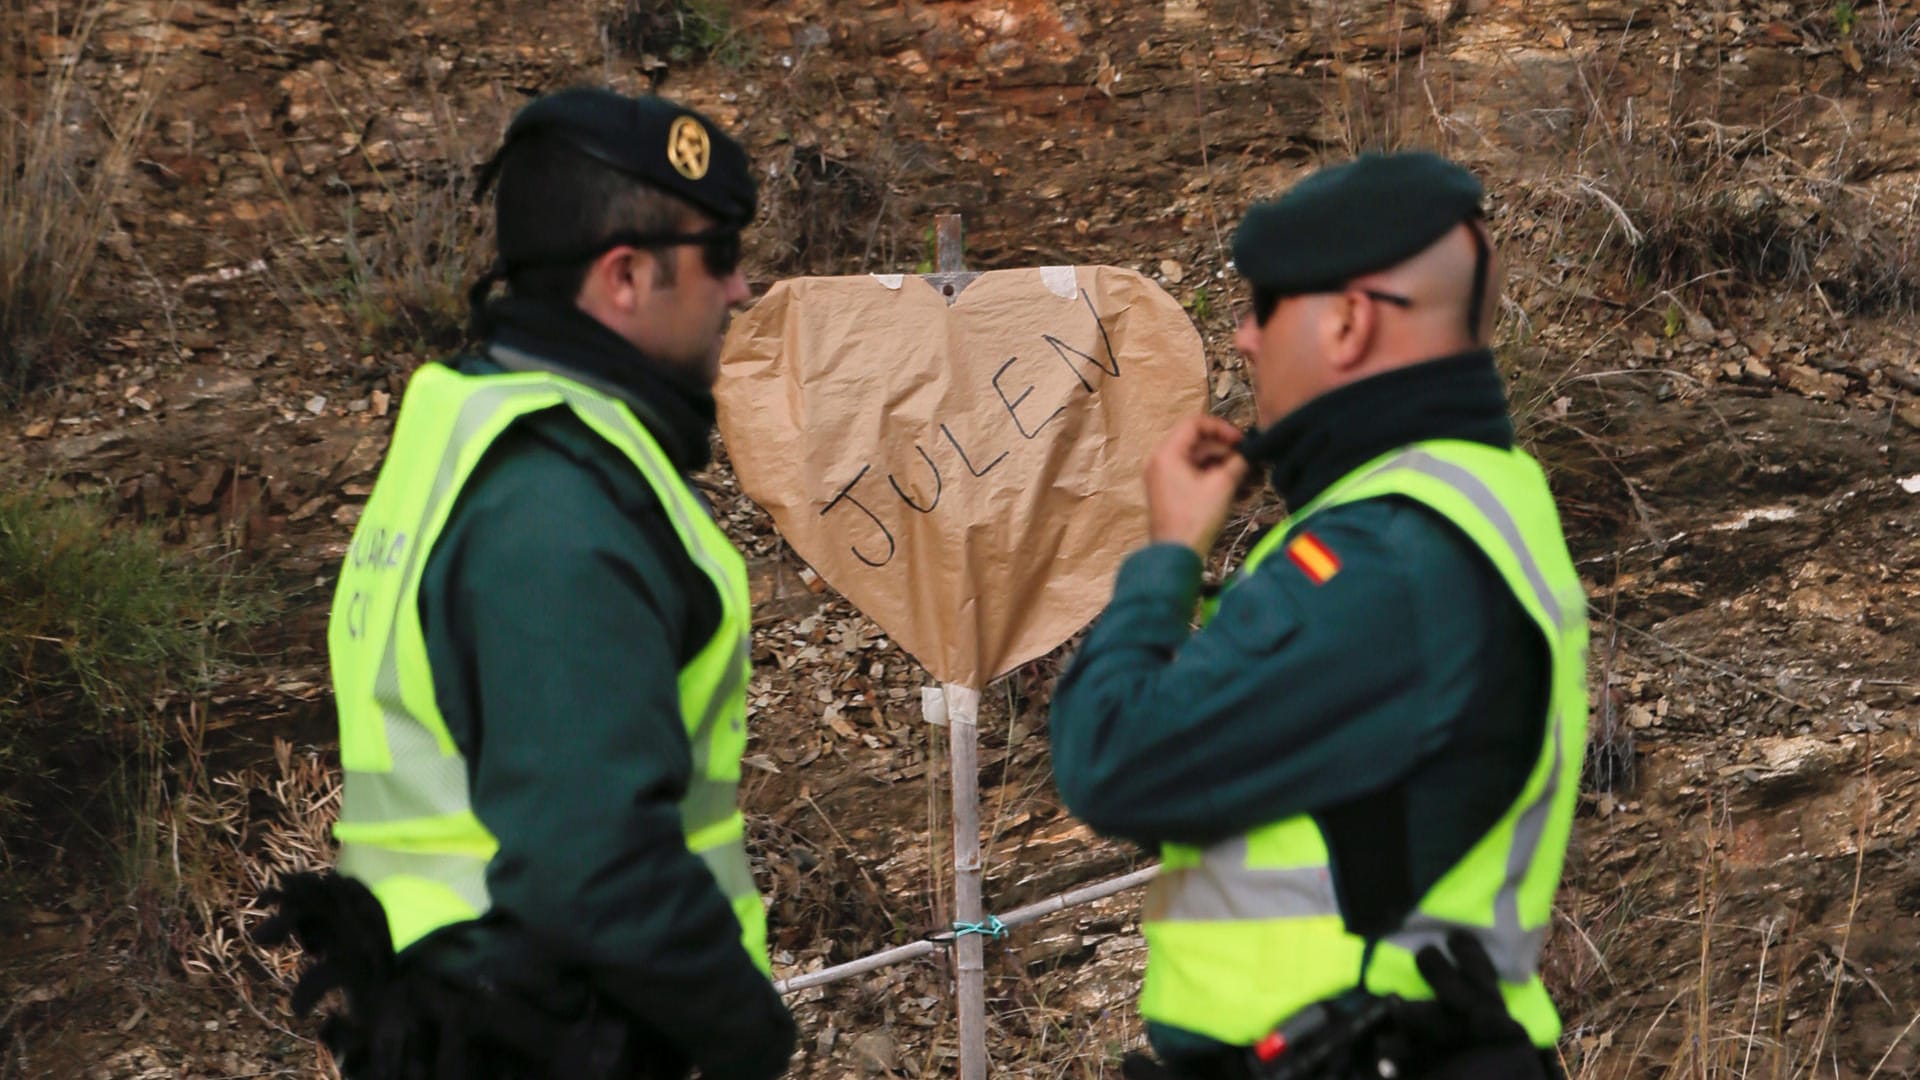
(534, 335)
(1453, 397)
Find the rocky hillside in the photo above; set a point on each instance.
(1708, 212)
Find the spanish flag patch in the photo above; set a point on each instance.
(1313, 558)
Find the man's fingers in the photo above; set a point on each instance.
(1209, 452)
(1213, 457)
(1201, 440)
(1199, 429)
(1216, 429)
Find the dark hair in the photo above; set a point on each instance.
(555, 206)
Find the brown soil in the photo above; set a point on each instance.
(1707, 211)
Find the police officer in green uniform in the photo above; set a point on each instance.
(1361, 769)
(539, 648)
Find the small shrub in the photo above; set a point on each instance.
(410, 243)
(826, 215)
(407, 278)
(1889, 41)
(673, 30)
(63, 158)
(1707, 212)
(98, 626)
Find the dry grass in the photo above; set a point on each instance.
(222, 840)
(1883, 40)
(835, 207)
(1720, 1017)
(408, 275)
(1661, 208)
(410, 239)
(65, 154)
(829, 215)
(233, 837)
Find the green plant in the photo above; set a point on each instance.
(1845, 18)
(1200, 304)
(1675, 319)
(708, 26)
(58, 181)
(929, 249)
(103, 629)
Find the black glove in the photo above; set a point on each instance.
(343, 930)
(1466, 1030)
(1139, 1065)
(1228, 1064)
(404, 1021)
(1468, 989)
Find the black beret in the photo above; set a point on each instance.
(652, 139)
(1348, 220)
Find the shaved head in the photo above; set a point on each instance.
(1441, 283)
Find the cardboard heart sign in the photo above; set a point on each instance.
(967, 475)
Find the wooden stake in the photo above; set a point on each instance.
(949, 244)
(963, 740)
(950, 275)
(963, 731)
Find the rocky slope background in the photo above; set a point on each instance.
(1708, 211)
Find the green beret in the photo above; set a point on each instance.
(1367, 214)
(651, 139)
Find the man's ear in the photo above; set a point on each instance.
(1349, 328)
(619, 280)
(1492, 286)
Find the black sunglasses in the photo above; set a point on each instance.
(719, 246)
(1264, 302)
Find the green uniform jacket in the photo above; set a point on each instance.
(559, 606)
(1397, 701)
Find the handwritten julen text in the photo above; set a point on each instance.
(1026, 386)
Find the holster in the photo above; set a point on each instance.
(1356, 1037)
(403, 1020)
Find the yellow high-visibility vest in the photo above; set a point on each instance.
(1245, 933)
(407, 828)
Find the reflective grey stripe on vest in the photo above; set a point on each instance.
(1224, 887)
(1514, 948)
(1476, 491)
(730, 869)
(423, 782)
(466, 875)
(708, 802)
(730, 686)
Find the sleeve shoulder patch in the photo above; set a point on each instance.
(1313, 557)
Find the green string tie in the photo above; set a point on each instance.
(992, 927)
